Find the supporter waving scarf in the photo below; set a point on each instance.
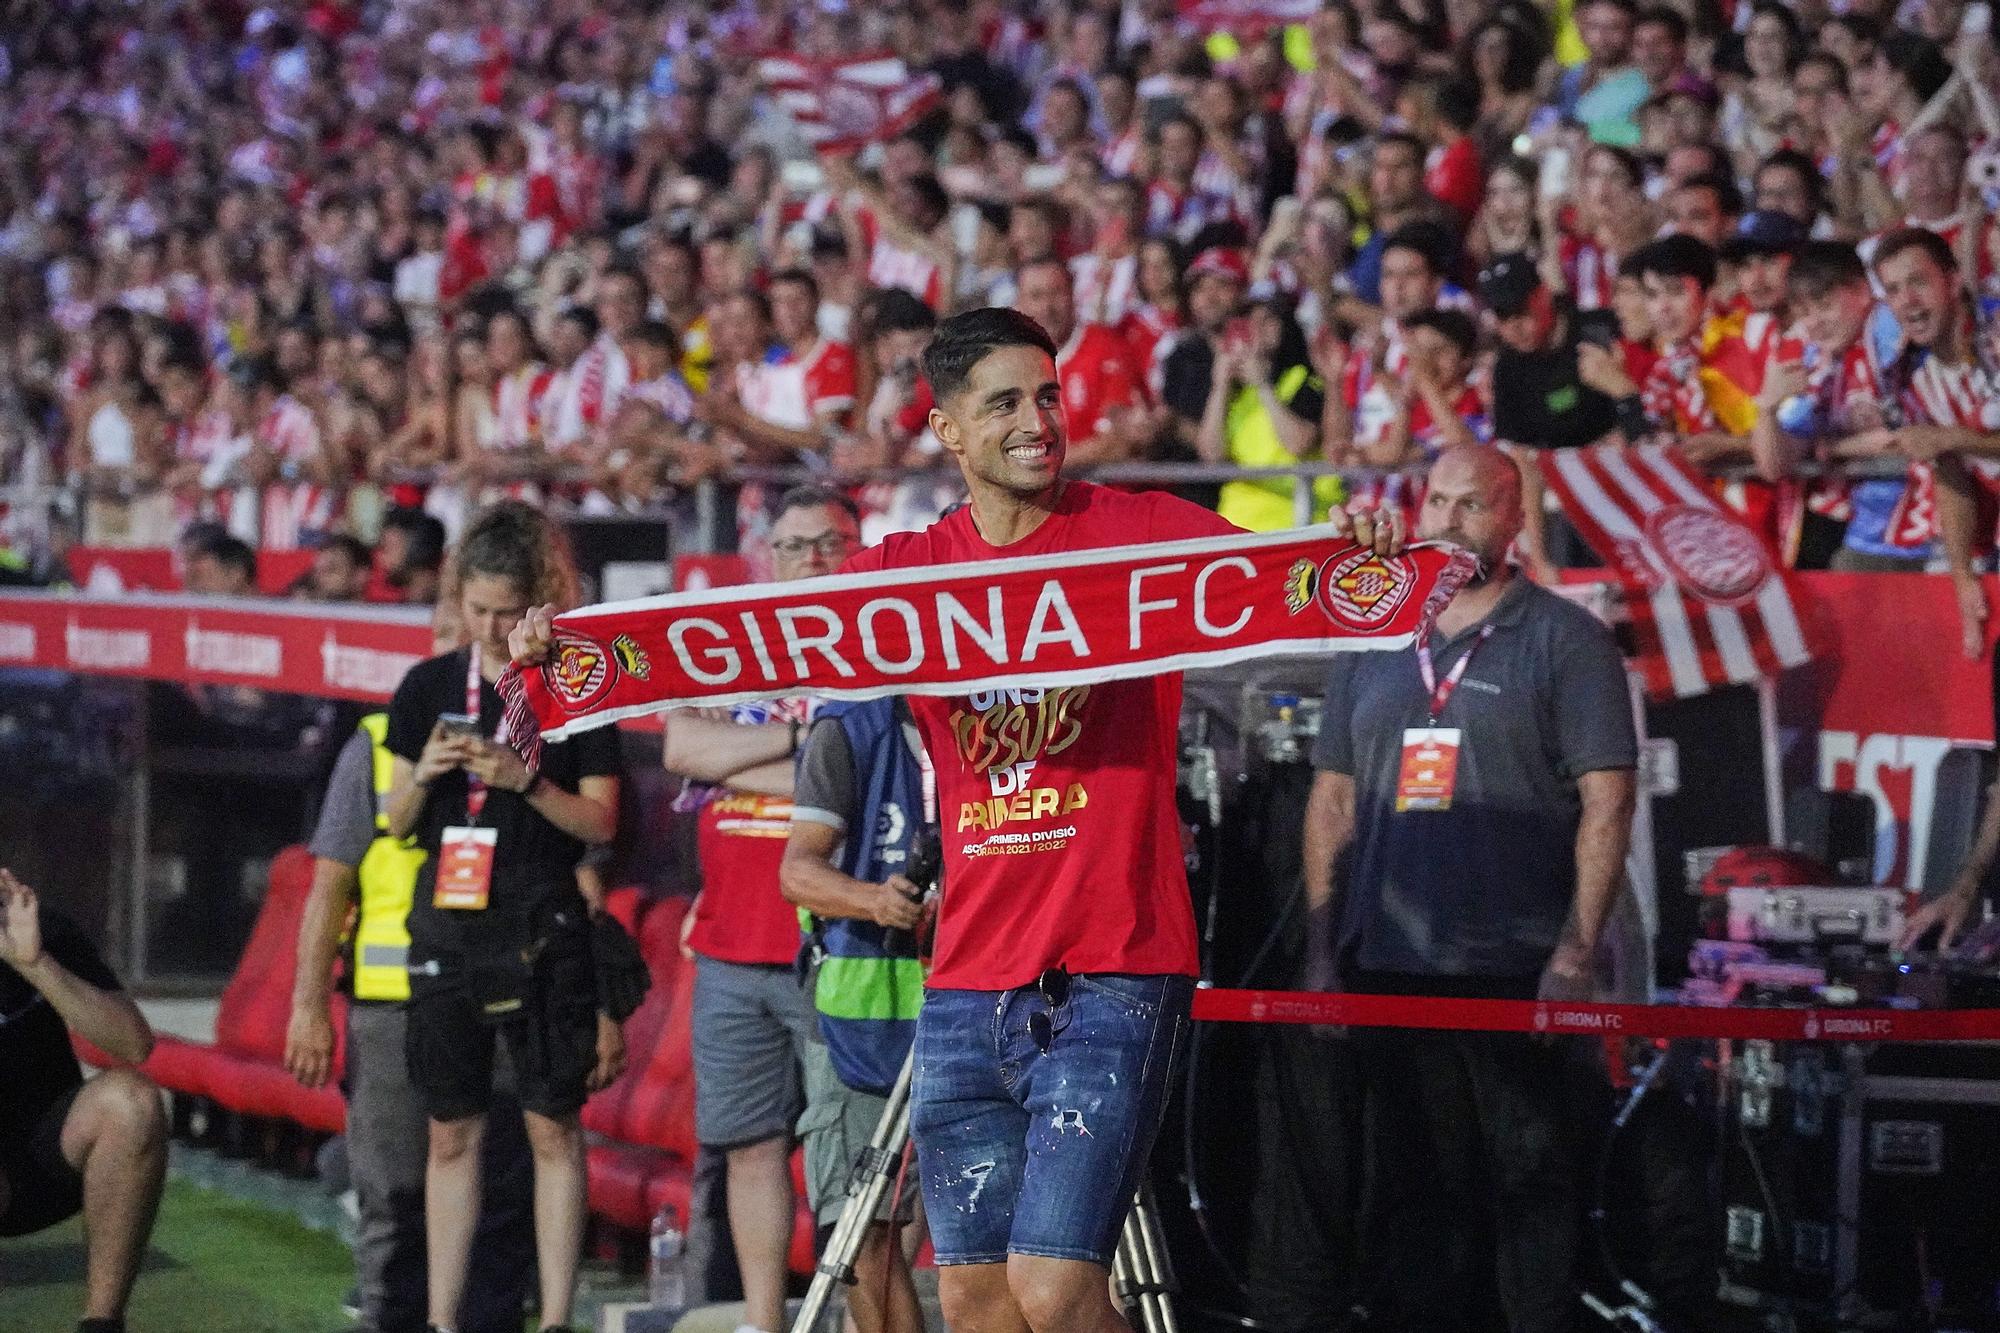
(1071, 619)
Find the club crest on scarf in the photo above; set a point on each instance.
(1358, 591)
(579, 672)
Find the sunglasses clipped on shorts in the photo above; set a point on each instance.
(1045, 1025)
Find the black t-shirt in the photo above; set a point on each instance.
(1186, 374)
(37, 1065)
(1539, 401)
(534, 861)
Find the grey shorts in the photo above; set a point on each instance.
(751, 1027)
(835, 1128)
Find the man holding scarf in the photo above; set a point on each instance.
(1065, 952)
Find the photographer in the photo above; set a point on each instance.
(499, 933)
(857, 811)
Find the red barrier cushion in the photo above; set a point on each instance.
(257, 1003)
(254, 1088)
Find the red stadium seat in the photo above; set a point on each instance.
(243, 1071)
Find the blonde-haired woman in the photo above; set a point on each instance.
(499, 932)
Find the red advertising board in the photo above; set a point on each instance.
(339, 652)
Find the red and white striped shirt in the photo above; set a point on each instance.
(295, 510)
(1104, 291)
(797, 392)
(516, 419)
(1590, 270)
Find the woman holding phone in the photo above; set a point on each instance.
(499, 932)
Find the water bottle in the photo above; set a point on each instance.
(666, 1263)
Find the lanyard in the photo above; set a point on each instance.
(1442, 690)
(475, 790)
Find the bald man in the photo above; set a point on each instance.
(1484, 785)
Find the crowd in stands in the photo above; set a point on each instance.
(290, 268)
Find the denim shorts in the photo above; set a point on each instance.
(1026, 1153)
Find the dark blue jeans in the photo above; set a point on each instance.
(1030, 1153)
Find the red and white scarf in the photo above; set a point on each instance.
(1068, 618)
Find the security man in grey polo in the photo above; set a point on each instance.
(1481, 786)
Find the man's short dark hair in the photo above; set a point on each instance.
(356, 550)
(1674, 257)
(798, 277)
(758, 301)
(1454, 326)
(1727, 197)
(1426, 239)
(423, 537)
(1819, 267)
(185, 361)
(816, 497)
(231, 553)
(900, 310)
(585, 320)
(1918, 59)
(1458, 104)
(1916, 238)
(1671, 20)
(1403, 139)
(963, 341)
(1802, 166)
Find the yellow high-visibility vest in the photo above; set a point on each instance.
(388, 875)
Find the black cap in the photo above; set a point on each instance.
(1764, 232)
(1508, 283)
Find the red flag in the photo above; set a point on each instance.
(840, 105)
(1710, 605)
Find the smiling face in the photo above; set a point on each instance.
(1006, 425)
(1919, 294)
(1833, 320)
(1674, 304)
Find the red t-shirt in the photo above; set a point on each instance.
(1091, 768)
(742, 917)
(1100, 373)
(1455, 178)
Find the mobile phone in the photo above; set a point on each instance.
(1598, 327)
(461, 724)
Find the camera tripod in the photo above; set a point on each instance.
(1141, 1272)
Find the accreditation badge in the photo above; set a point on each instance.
(1429, 769)
(465, 869)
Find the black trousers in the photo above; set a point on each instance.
(1299, 1268)
(1474, 1181)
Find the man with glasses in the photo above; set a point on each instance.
(752, 1022)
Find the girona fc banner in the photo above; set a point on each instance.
(1708, 602)
(1074, 618)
